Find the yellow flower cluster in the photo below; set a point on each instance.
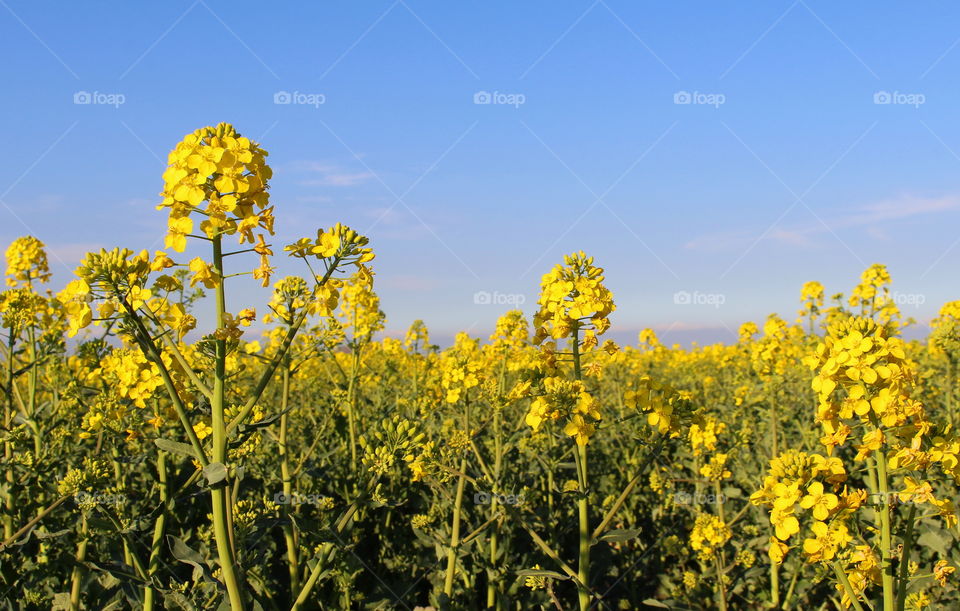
(665, 407)
(218, 166)
(134, 377)
(566, 400)
(26, 262)
(338, 242)
(945, 336)
(709, 534)
(360, 306)
(573, 298)
(795, 482)
(716, 469)
(460, 368)
(872, 295)
(703, 435)
(857, 355)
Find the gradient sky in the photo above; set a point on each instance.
(789, 171)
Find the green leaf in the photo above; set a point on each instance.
(215, 472)
(650, 602)
(182, 552)
(934, 540)
(175, 447)
(620, 535)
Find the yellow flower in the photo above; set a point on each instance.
(202, 272)
(75, 298)
(941, 571)
(580, 429)
(822, 503)
(777, 550)
(827, 541)
(203, 430)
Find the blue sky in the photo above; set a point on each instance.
(782, 168)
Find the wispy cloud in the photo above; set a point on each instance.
(323, 174)
(871, 217)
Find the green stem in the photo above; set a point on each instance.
(838, 570)
(351, 407)
(289, 534)
(886, 553)
(219, 498)
(904, 578)
(583, 506)
(76, 577)
(8, 505)
(721, 587)
(455, 526)
(156, 546)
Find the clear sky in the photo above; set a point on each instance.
(816, 138)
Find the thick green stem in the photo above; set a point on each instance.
(219, 498)
(721, 586)
(455, 524)
(583, 512)
(904, 577)
(7, 446)
(289, 533)
(159, 527)
(76, 577)
(492, 584)
(583, 506)
(886, 553)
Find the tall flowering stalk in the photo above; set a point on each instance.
(574, 306)
(221, 177)
(864, 382)
(360, 315)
